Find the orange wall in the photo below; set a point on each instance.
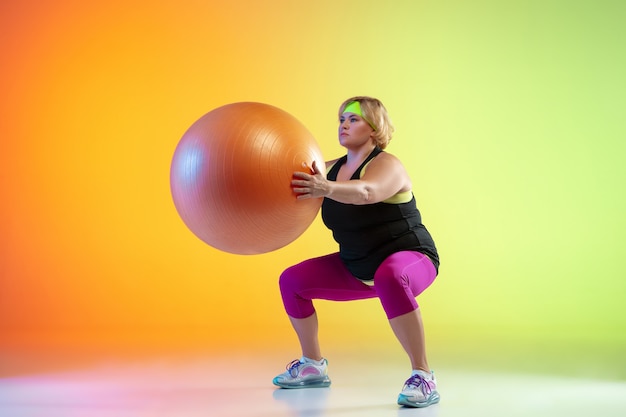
(507, 118)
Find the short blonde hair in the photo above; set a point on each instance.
(376, 114)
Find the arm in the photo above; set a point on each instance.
(385, 176)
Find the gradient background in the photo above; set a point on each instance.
(509, 117)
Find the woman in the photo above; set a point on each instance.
(384, 250)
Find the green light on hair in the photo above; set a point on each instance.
(355, 108)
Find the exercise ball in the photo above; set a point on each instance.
(230, 178)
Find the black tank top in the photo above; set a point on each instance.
(367, 234)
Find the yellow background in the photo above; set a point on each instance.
(509, 117)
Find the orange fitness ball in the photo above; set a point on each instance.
(231, 178)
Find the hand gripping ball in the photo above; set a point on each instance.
(231, 177)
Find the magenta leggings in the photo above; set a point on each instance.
(397, 281)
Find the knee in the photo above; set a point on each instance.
(288, 280)
(388, 276)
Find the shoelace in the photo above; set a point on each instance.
(292, 367)
(419, 381)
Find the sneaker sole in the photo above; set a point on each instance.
(322, 383)
(404, 400)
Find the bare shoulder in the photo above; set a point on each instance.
(331, 162)
(389, 166)
(387, 160)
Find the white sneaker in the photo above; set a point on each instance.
(420, 390)
(304, 374)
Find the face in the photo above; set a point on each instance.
(354, 131)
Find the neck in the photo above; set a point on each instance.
(359, 154)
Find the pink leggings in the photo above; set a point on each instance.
(397, 281)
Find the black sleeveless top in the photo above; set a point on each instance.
(367, 234)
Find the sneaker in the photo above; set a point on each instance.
(419, 391)
(304, 374)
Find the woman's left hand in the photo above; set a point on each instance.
(313, 185)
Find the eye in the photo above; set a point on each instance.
(353, 120)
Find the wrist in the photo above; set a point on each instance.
(328, 189)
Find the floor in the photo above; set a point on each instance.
(237, 385)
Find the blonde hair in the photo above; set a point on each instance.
(376, 114)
